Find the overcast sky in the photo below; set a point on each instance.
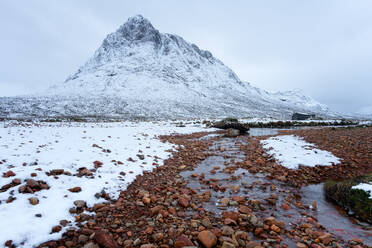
(322, 47)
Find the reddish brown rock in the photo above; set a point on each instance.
(9, 174)
(33, 200)
(105, 240)
(285, 206)
(56, 229)
(75, 189)
(314, 205)
(9, 243)
(252, 244)
(230, 215)
(301, 245)
(146, 200)
(244, 210)
(148, 246)
(183, 201)
(325, 238)
(97, 164)
(207, 238)
(182, 241)
(32, 183)
(156, 209)
(275, 228)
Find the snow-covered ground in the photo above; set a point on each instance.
(366, 187)
(291, 151)
(70, 146)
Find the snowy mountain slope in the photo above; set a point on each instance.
(365, 112)
(138, 71)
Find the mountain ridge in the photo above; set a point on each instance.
(138, 71)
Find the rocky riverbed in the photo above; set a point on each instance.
(228, 192)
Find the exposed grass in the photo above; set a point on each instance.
(230, 119)
(284, 124)
(354, 201)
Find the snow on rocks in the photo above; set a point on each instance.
(54, 166)
(366, 187)
(292, 151)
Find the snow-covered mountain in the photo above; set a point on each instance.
(365, 112)
(140, 72)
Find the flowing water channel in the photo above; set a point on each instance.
(216, 169)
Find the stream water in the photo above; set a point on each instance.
(221, 169)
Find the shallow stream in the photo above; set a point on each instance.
(221, 169)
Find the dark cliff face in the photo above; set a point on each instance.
(136, 30)
(139, 29)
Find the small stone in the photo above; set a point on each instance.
(128, 243)
(244, 210)
(16, 181)
(75, 189)
(194, 223)
(258, 231)
(148, 246)
(182, 241)
(149, 230)
(80, 204)
(137, 242)
(229, 221)
(206, 222)
(183, 201)
(9, 174)
(231, 215)
(158, 237)
(275, 228)
(90, 245)
(33, 200)
(252, 244)
(146, 200)
(105, 240)
(285, 206)
(32, 183)
(325, 239)
(227, 231)
(97, 164)
(301, 245)
(224, 201)
(227, 245)
(207, 238)
(156, 209)
(314, 205)
(83, 239)
(9, 243)
(56, 229)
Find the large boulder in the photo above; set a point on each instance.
(231, 123)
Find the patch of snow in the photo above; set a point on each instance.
(291, 151)
(364, 186)
(69, 146)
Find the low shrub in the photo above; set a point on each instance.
(355, 201)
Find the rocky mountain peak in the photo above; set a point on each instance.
(138, 28)
(138, 71)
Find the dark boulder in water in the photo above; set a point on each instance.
(230, 123)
